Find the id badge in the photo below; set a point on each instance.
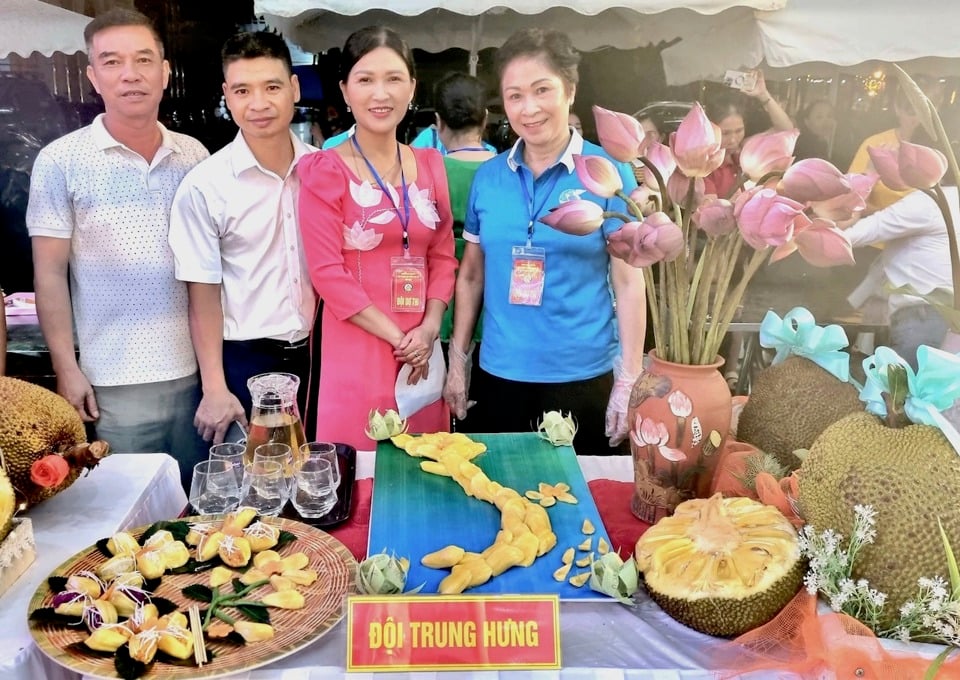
(408, 276)
(527, 275)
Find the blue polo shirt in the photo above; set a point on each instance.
(572, 335)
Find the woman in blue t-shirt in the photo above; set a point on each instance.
(551, 338)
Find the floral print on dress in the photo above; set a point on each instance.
(366, 196)
(425, 206)
(358, 238)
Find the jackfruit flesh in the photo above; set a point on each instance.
(910, 476)
(721, 566)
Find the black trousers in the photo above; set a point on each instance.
(511, 406)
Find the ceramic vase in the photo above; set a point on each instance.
(680, 416)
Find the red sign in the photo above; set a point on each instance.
(453, 632)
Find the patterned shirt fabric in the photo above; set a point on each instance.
(129, 309)
(572, 334)
(234, 222)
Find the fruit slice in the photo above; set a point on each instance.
(561, 573)
(587, 527)
(585, 560)
(568, 555)
(578, 580)
(585, 544)
(602, 546)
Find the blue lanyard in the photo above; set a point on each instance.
(466, 148)
(405, 217)
(532, 209)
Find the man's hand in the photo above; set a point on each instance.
(74, 387)
(217, 410)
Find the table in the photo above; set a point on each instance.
(124, 491)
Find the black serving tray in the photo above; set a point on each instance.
(347, 458)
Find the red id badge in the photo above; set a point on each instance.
(527, 275)
(408, 276)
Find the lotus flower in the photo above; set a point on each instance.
(813, 179)
(696, 144)
(358, 238)
(620, 135)
(886, 161)
(680, 404)
(715, 216)
(845, 206)
(598, 175)
(640, 244)
(920, 166)
(646, 198)
(646, 431)
(820, 243)
(659, 155)
(578, 217)
(767, 152)
(766, 218)
(679, 184)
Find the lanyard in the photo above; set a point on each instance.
(532, 209)
(405, 217)
(466, 148)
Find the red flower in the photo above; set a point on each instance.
(49, 471)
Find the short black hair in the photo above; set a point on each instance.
(254, 45)
(366, 40)
(555, 46)
(119, 16)
(460, 101)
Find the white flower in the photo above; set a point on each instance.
(908, 609)
(358, 238)
(425, 206)
(365, 194)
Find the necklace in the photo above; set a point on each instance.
(386, 175)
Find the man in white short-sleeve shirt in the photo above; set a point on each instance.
(234, 233)
(98, 217)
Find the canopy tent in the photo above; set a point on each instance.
(318, 25)
(820, 35)
(34, 26)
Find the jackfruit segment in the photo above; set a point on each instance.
(587, 528)
(585, 560)
(585, 544)
(561, 573)
(721, 566)
(578, 580)
(602, 546)
(568, 556)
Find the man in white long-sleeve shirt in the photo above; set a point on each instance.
(916, 253)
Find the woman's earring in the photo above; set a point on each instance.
(349, 109)
(410, 106)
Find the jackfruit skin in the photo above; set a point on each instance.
(8, 504)
(790, 404)
(33, 423)
(911, 476)
(729, 617)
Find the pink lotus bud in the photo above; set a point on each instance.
(843, 207)
(715, 216)
(696, 144)
(648, 431)
(598, 175)
(620, 135)
(659, 155)
(663, 433)
(646, 199)
(680, 404)
(678, 184)
(579, 217)
(641, 244)
(765, 217)
(767, 152)
(920, 166)
(812, 179)
(886, 161)
(823, 245)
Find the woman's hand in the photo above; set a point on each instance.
(417, 345)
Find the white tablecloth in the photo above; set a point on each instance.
(124, 491)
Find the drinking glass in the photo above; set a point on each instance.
(231, 452)
(325, 451)
(264, 487)
(279, 453)
(314, 491)
(214, 487)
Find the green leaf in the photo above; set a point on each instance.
(49, 615)
(237, 585)
(57, 584)
(178, 528)
(128, 667)
(193, 566)
(940, 298)
(937, 662)
(163, 605)
(198, 592)
(284, 538)
(254, 613)
(951, 560)
(102, 547)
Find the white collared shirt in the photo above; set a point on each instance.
(129, 309)
(233, 222)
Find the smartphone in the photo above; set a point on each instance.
(740, 80)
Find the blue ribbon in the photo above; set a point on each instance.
(933, 388)
(797, 333)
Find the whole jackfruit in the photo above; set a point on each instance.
(721, 566)
(35, 422)
(911, 477)
(790, 404)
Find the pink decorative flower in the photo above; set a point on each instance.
(680, 404)
(641, 244)
(49, 471)
(679, 184)
(578, 217)
(598, 175)
(620, 135)
(672, 454)
(813, 179)
(358, 238)
(659, 155)
(425, 207)
(843, 207)
(646, 199)
(820, 243)
(767, 152)
(765, 217)
(920, 166)
(646, 432)
(886, 161)
(696, 144)
(715, 216)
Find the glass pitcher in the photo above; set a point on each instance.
(275, 416)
